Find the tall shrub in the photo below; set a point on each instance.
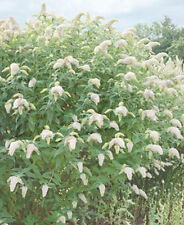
(90, 120)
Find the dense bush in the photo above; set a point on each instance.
(91, 123)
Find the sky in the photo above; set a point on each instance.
(128, 12)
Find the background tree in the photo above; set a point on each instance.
(170, 36)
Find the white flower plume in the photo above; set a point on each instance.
(102, 189)
(45, 189)
(13, 181)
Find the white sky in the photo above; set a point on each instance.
(128, 12)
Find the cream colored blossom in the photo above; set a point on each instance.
(13, 181)
(85, 68)
(59, 30)
(32, 83)
(128, 60)
(110, 155)
(114, 125)
(95, 98)
(14, 146)
(129, 33)
(80, 166)
(84, 179)
(179, 78)
(102, 189)
(135, 189)
(148, 175)
(8, 107)
(139, 191)
(102, 47)
(149, 63)
(155, 148)
(143, 41)
(151, 114)
(82, 197)
(47, 134)
(74, 204)
(98, 18)
(20, 102)
(37, 24)
(176, 123)
(129, 172)
(154, 135)
(142, 171)
(95, 137)
(59, 63)
(101, 158)
(152, 44)
(14, 69)
(57, 90)
(121, 111)
(48, 33)
(130, 76)
(120, 43)
(156, 172)
(71, 142)
(30, 149)
(95, 81)
(149, 94)
(160, 55)
(62, 219)
(69, 214)
(163, 85)
(171, 91)
(78, 17)
(45, 189)
(70, 60)
(168, 113)
(76, 125)
(175, 131)
(117, 143)
(143, 194)
(167, 163)
(24, 191)
(158, 165)
(110, 23)
(151, 81)
(129, 146)
(174, 152)
(96, 117)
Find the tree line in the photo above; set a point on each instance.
(170, 36)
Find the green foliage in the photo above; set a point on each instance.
(169, 210)
(90, 122)
(167, 34)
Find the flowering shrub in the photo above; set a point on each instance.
(89, 116)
